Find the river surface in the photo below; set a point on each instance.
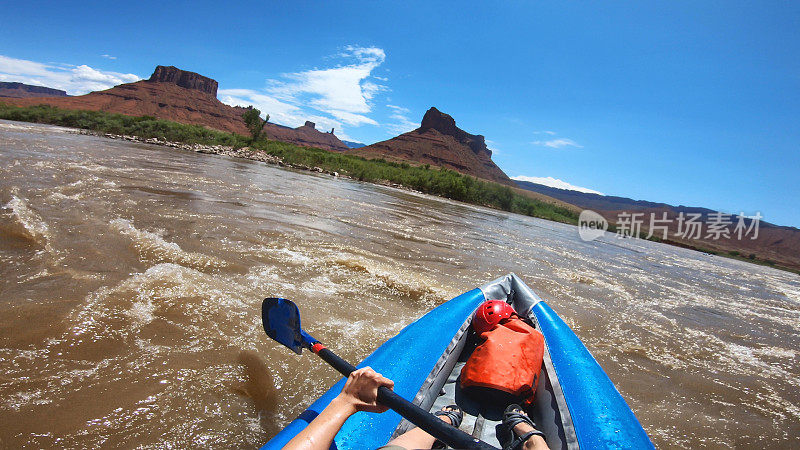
(131, 278)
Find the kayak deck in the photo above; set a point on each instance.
(576, 404)
(483, 413)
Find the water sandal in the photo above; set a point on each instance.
(456, 415)
(513, 416)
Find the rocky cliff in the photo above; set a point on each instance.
(439, 142)
(21, 90)
(186, 97)
(306, 135)
(185, 79)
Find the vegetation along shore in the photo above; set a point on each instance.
(435, 181)
(442, 182)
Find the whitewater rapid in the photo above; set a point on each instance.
(132, 277)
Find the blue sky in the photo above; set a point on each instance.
(693, 103)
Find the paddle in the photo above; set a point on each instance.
(281, 320)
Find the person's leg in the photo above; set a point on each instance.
(534, 442)
(418, 438)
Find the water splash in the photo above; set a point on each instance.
(155, 249)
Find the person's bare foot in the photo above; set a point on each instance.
(446, 418)
(535, 442)
(418, 438)
(454, 410)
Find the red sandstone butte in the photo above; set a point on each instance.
(439, 142)
(186, 97)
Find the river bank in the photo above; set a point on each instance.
(224, 150)
(436, 181)
(441, 182)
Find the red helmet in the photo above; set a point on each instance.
(489, 314)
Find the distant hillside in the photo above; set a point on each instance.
(599, 202)
(775, 243)
(439, 142)
(22, 90)
(352, 144)
(186, 97)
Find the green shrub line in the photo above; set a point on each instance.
(436, 181)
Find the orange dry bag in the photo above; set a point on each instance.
(509, 359)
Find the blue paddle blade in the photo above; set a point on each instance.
(281, 320)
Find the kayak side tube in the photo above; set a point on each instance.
(438, 329)
(600, 416)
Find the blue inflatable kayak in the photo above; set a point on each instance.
(577, 405)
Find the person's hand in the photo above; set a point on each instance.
(361, 390)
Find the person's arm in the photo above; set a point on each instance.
(360, 393)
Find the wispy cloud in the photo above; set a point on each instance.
(402, 123)
(76, 80)
(492, 145)
(548, 132)
(109, 56)
(280, 112)
(398, 110)
(557, 143)
(344, 91)
(333, 97)
(556, 183)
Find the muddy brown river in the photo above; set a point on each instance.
(131, 278)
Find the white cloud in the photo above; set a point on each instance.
(548, 132)
(331, 97)
(76, 80)
(109, 56)
(352, 119)
(279, 112)
(398, 109)
(344, 91)
(402, 123)
(558, 143)
(556, 183)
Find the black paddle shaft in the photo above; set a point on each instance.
(448, 434)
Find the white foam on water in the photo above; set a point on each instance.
(790, 290)
(153, 247)
(35, 276)
(33, 127)
(135, 301)
(387, 275)
(31, 222)
(267, 280)
(142, 311)
(294, 256)
(18, 400)
(361, 330)
(333, 265)
(61, 196)
(202, 310)
(752, 360)
(322, 284)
